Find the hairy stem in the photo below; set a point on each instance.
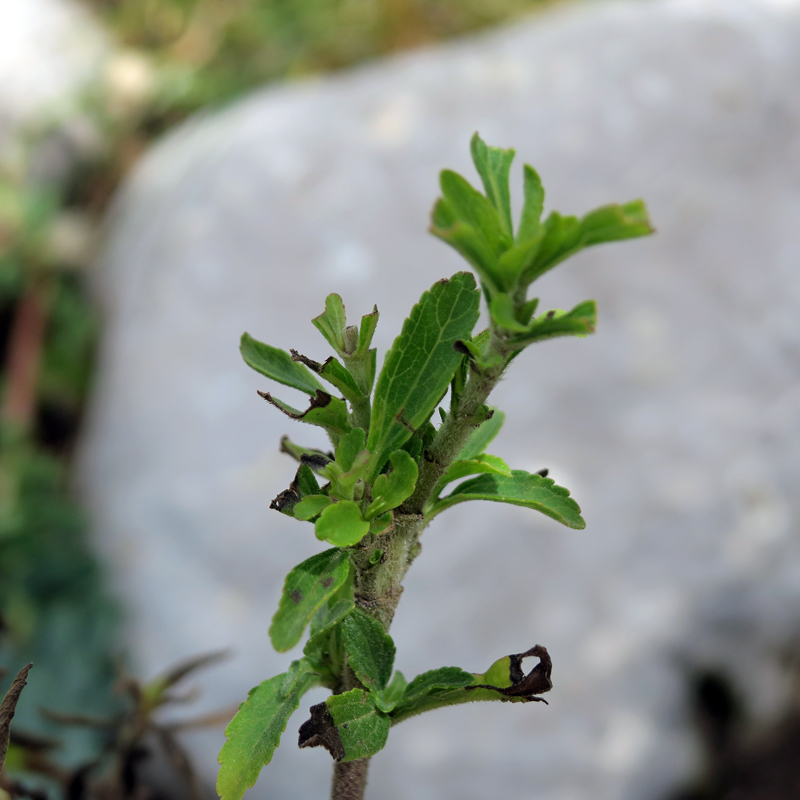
(349, 780)
(381, 562)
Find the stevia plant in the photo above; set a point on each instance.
(398, 445)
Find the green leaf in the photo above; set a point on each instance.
(349, 726)
(518, 259)
(306, 588)
(370, 650)
(318, 647)
(420, 364)
(522, 489)
(504, 680)
(433, 689)
(473, 209)
(530, 220)
(482, 436)
(390, 489)
(297, 451)
(324, 411)
(494, 166)
(388, 698)
(614, 223)
(341, 524)
(367, 330)
(380, 524)
(277, 364)
(493, 465)
(565, 236)
(332, 322)
(303, 485)
(311, 506)
(501, 307)
(334, 372)
(349, 447)
(343, 484)
(255, 731)
(580, 321)
(468, 242)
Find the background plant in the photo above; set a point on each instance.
(399, 440)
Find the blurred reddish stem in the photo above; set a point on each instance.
(24, 356)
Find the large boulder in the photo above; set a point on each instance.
(676, 426)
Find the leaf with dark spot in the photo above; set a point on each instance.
(304, 592)
(349, 726)
(324, 411)
(519, 685)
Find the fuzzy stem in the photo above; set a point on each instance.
(349, 780)
(379, 575)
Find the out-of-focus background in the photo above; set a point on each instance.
(174, 172)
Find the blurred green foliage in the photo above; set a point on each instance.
(224, 47)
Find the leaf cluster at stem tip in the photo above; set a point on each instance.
(405, 444)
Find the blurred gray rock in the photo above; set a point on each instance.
(676, 426)
(49, 49)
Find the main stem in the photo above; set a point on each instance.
(380, 563)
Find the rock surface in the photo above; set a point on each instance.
(676, 426)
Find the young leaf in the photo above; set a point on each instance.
(493, 465)
(369, 648)
(303, 485)
(341, 524)
(277, 364)
(324, 411)
(501, 308)
(614, 223)
(420, 364)
(482, 436)
(349, 726)
(580, 321)
(338, 376)
(433, 689)
(255, 731)
(494, 165)
(518, 259)
(322, 626)
(530, 220)
(390, 489)
(522, 489)
(473, 209)
(310, 507)
(565, 236)
(468, 242)
(343, 484)
(349, 447)
(332, 322)
(387, 699)
(306, 588)
(367, 330)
